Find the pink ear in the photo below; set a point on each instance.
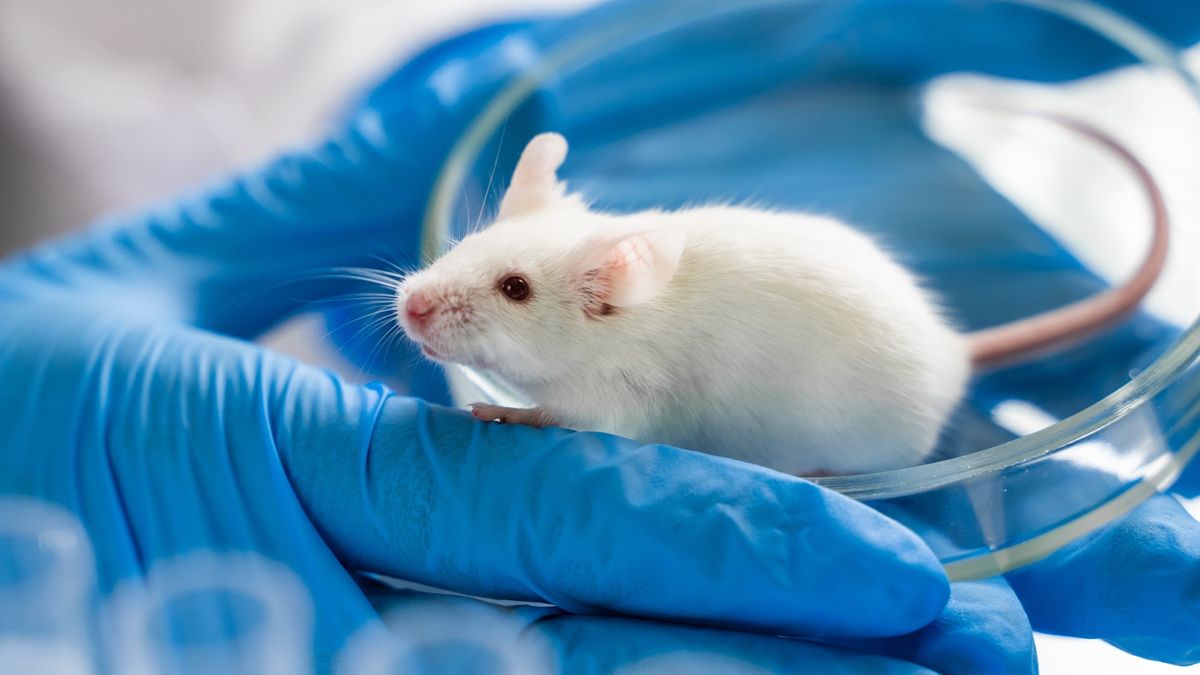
(535, 180)
(635, 267)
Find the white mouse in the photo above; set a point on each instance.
(788, 340)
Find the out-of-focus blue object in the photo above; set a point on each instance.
(225, 496)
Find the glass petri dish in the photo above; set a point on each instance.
(955, 142)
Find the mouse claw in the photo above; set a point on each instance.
(487, 412)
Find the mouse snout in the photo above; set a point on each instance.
(434, 312)
(419, 307)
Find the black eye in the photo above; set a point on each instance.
(515, 288)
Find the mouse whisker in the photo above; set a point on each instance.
(377, 317)
(394, 268)
(492, 174)
(250, 295)
(382, 347)
(374, 276)
(376, 321)
(365, 296)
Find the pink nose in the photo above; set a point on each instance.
(419, 307)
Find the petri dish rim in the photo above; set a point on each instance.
(1145, 46)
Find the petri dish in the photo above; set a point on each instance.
(916, 122)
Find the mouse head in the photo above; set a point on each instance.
(535, 294)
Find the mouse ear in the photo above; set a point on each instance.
(535, 180)
(628, 269)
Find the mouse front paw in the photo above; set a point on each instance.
(534, 417)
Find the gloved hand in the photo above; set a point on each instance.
(200, 461)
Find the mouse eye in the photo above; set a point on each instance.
(515, 288)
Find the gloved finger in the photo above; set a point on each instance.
(440, 634)
(637, 647)
(1133, 584)
(591, 522)
(642, 648)
(190, 439)
(983, 629)
(236, 256)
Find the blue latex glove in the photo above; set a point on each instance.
(132, 401)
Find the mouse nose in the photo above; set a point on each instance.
(419, 308)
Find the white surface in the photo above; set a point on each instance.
(1068, 656)
(1086, 196)
(129, 100)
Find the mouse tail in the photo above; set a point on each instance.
(1056, 329)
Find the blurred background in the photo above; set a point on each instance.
(106, 106)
